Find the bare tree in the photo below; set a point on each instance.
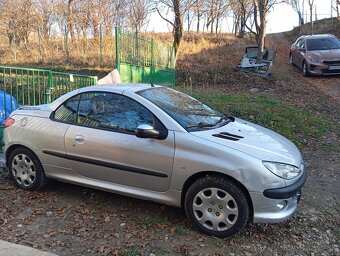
(336, 8)
(178, 8)
(243, 10)
(139, 13)
(47, 17)
(261, 9)
(297, 6)
(215, 9)
(20, 19)
(199, 11)
(311, 3)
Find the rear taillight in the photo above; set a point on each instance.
(9, 122)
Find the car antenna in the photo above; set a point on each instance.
(151, 83)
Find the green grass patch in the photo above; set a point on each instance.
(181, 230)
(294, 123)
(150, 221)
(133, 251)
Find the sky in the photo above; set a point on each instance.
(281, 18)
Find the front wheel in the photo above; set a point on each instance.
(291, 62)
(217, 206)
(26, 170)
(305, 70)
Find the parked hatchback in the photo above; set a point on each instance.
(316, 54)
(159, 144)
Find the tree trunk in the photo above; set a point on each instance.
(217, 25)
(311, 17)
(261, 28)
(198, 20)
(178, 28)
(188, 21)
(70, 21)
(301, 21)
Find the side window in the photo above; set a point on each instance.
(298, 42)
(67, 112)
(112, 111)
(302, 45)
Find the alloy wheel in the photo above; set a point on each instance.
(23, 170)
(215, 209)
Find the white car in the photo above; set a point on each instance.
(158, 144)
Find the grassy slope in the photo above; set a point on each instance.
(329, 26)
(285, 102)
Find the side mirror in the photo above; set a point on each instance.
(147, 131)
(301, 49)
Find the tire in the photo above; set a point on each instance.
(216, 206)
(26, 170)
(291, 62)
(305, 70)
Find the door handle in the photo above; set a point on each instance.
(79, 139)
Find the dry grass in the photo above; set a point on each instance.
(330, 25)
(203, 60)
(53, 53)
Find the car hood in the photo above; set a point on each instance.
(254, 140)
(326, 54)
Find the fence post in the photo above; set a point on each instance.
(152, 66)
(100, 45)
(137, 46)
(117, 49)
(67, 44)
(50, 87)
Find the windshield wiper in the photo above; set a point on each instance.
(200, 125)
(226, 118)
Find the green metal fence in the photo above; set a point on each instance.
(37, 86)
(143, 59)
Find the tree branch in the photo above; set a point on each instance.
(167, 20)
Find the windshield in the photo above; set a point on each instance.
(187, 111)
(323, 44)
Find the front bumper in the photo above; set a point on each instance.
(323, 69)
(266, 204)
(286, 192)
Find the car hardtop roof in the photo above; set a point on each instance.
(318, 36)
(118, 88)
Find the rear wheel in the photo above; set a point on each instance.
(305, 70)
(26, 170)
(217, 206)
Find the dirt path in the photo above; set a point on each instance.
(72, 220)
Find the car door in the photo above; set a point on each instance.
(52, 132)
(103, 145)
(301, 53)
(294, 50)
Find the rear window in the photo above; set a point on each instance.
(323, 44)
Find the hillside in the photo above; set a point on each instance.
(324, 26)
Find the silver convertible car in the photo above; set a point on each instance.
(156, 143)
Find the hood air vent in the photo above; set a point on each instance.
(228, 136)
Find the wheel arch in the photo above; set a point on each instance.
(15, 146)
(199, 175)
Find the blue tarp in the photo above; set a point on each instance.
(11, 104)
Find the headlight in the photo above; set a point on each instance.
(315, 59)
(284, 171)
